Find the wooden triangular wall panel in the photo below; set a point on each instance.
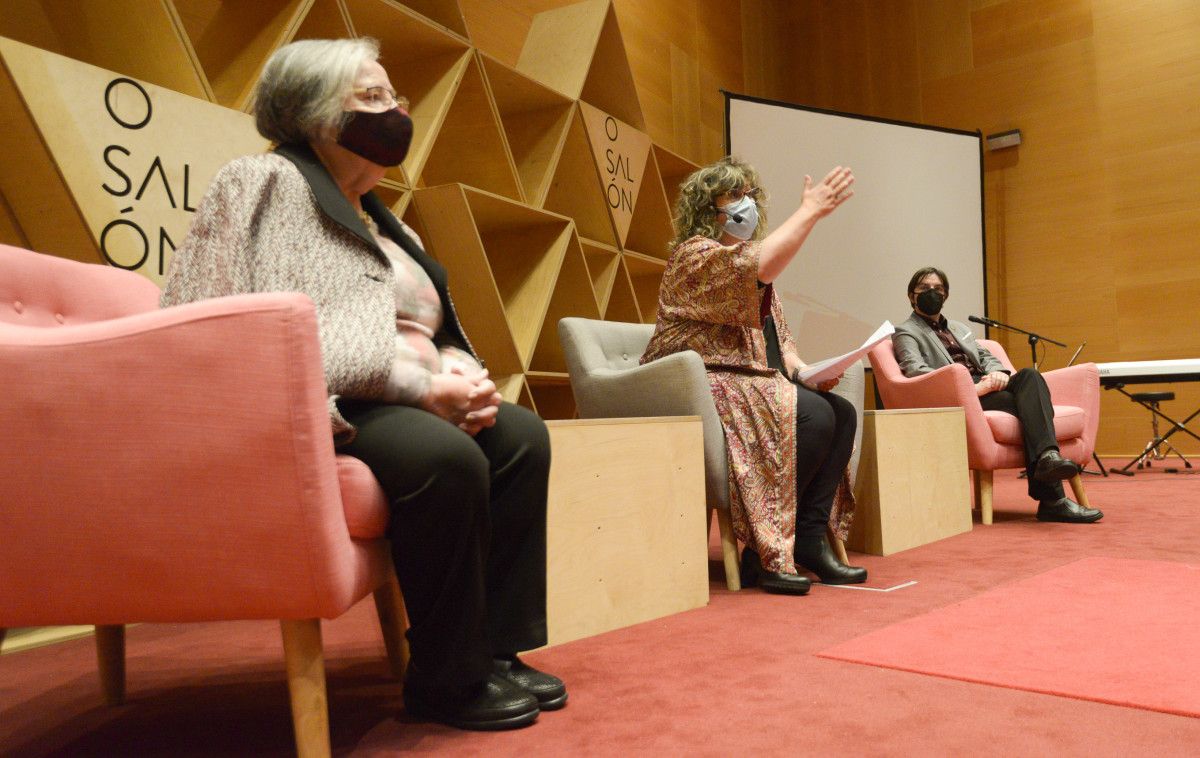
(650, 229)
(575, 189)
(573, 296)
(621, 153)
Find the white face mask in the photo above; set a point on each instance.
(741, 218)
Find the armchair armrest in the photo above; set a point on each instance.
(183, 448)
(1079, 386)
(946, 387)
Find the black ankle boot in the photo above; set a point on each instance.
(749, 567)
(814, 554)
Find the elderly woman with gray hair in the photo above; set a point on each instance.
(464, 472)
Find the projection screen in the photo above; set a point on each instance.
(917, 202)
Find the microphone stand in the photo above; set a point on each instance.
(1034, 338)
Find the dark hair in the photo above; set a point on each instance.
(924, 272)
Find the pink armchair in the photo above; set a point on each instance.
(994, 437)
(177, 465)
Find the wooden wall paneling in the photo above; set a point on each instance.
(575, 189)
(609, 85)
(470, 147)
(560, 45)
(573, 296)
(650, 229)
(645, 276)
(552, 394)
(31, 183)
(621, 152)
(233, 40)
(603, 263)
(10, 229)
(1017, 27)
(99, 162)
(497, 28)
(622, 302)
(525, 249)
(686, 122)
(391, 193)
(535, 120)
(894, 74)
(450, 235)
(674, 170)
(446, 13)
(325, 19)
(424, 62)
(143, 39)
(945, 42)
(512, 388)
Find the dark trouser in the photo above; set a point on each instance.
(825, 425)
(468, 532)
(1028, 398)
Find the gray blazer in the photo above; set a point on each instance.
(919, 351)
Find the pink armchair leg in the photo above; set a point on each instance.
(306, 685)
(110, 659)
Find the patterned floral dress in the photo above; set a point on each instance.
(710, 302)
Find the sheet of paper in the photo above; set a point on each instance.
(830, 368)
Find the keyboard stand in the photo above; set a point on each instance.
(1176, 426)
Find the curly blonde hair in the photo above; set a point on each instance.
(696, 208)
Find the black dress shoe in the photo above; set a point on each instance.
(784, 584)
(1067, 511)
(549, 690)
(1052, 467)
(815, 555)
(490, 705)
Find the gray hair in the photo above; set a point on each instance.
(300, 92)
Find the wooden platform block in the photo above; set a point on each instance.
(626, 529)
(913, 485)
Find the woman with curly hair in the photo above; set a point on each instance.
(788, 441)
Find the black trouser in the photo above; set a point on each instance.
(468, 532)
(1028, 398)
(825, 425)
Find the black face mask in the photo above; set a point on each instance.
(382, 138)
(930, 302)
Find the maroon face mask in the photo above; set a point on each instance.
(381, 138)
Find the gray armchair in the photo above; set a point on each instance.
(602, 358)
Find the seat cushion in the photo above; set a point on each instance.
(1068, 424)
(362, 499)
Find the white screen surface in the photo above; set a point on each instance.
(916, 203)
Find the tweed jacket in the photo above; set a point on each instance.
(919, 351)
(277, 222)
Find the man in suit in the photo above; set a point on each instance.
(927, 341)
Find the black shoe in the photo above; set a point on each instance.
(784, 584)
(814, 554)
(750, 567)
(549, 690)
(490, 705)
(1067, 511)
(1052, 467)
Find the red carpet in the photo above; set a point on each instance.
(738, 677)
(1111, 630)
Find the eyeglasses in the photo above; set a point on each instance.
(381, 98)
(925, 288)
(737, 194)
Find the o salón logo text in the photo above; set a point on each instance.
(124, 237)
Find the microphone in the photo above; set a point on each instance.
(981, 320)
(1078, 350)
(737, 217)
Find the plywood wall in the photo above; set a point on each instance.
(1091, 222)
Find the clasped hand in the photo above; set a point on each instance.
(469, 400)
(993, 382)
